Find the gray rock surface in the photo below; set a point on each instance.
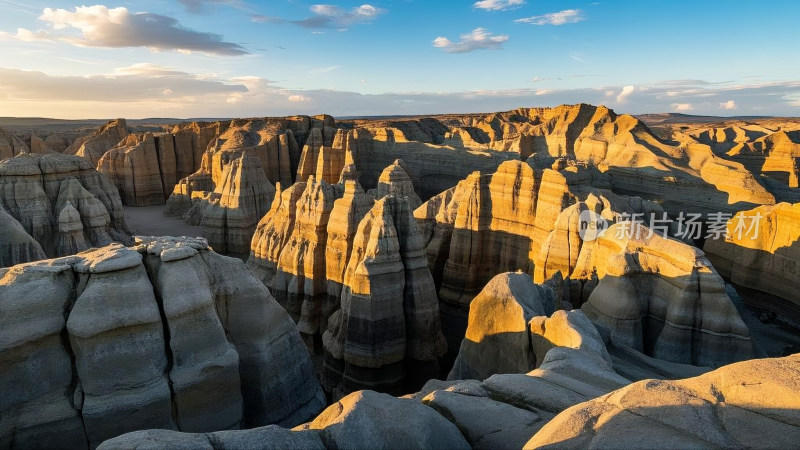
(164, 335)
(35, 189)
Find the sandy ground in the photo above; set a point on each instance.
(150, 221)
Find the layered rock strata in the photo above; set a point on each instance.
(387, 327)
(165, 335)
(94, 146)
(36, 189)
(661, 297)
(760, 251)
(515, 219)
(11, 145)
(324, 248)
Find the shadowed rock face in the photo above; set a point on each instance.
(35, 190)
(568, 394)
(11, 145)
(750, 404)
(761, 252)
(165, 335)
(663, 298)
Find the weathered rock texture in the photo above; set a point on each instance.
(242, 164)
(165, 335)
(767, 148)
(503, 411)
(145, 167)
(663, 298)
(625, 154)
(363, 419)
(762, 252)
(59, 202)
(509, 330)
(750, 404)
(11, 145)
(339, 263)
(389, 312)
(94, 146)
(513, 219)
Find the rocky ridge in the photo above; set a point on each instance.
(167, 334)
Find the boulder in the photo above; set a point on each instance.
(730, 407)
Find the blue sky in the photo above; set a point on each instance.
(237, 58)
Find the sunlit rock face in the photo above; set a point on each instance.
(351, 269)
(761, 252)
(767, 148)
(94, 146)
(36, 189)
(230, 214)
(167, 334)
(730, 407)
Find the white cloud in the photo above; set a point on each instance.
(682, 106)
(324, 69)
(556, 18)
(128, 84)
(139, 91)
(99, 26)
(478, 39)
(498, 5)
(203, 6)
(148, 69)
(328, 16)
(729, 105)
(626, 92)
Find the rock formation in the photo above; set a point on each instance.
(330, 262)
(761, 252)
(230, 213)
(520, 333)
(165, 335)
(35, 189)
(142, 168)
(264, 152)
(750, 404)
(767, 148)
(513, 219)
(10, 145)
(389, 312)
(16, 245)
(145, 167)
(363, 419)
(94, 146)
(299, 283)
(661, 297)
